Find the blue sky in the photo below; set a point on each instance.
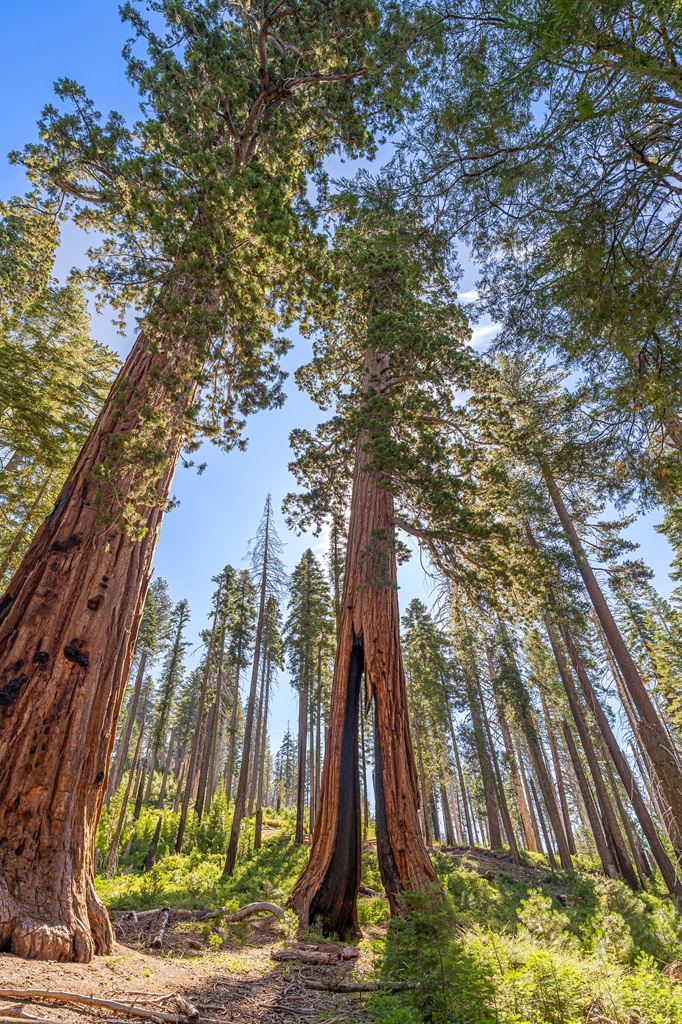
(41, 41)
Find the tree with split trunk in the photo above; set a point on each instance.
(387, 356)
(198, 203)
(268, 573)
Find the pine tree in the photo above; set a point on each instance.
(306, 631)
(268, 569)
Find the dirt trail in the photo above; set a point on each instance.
(238, 982)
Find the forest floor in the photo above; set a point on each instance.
(516, 944)
(239, 982)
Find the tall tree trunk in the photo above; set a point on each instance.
(650, 727)
(178, 785)
(119, 763)
(487, 774)
(302, 751)
(522, 707)
(603, 851)
(150, 856)
(240, 798)
(633, 842)
(196, 736)
(369, 639)
(426, 828)
(166, 770)
(649, 778)
(447, 814)
(612, 831)
(261, 770)
(113, 849)
(460, 778)
(526, 822)
(623, 768)
(229, 768)
(256, 746)
(311, 772)
(501, 795)
(204, 761)
(543, 825)
(68, 623)
(529, 798)
(217, 719)
(558, 773)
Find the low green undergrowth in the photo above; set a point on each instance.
(576, 949)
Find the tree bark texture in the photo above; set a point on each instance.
(369, 639)
(68, 624)
(650, 728)
(623, 768)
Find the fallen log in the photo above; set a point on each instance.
(108, 1004)
(364, 890)
(136, 916)
(315, 956)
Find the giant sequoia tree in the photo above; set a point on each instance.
(388, 357)
(202, 208)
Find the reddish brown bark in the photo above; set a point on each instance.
(650, 728)
(623, 768)
(68, 623)
(611, 828)
(369, 639)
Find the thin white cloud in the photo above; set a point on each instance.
(470, 296)
(482, 334)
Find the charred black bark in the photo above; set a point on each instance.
(336, 899)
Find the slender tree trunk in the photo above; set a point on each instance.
(558, 773)
(150, 856)
(526, 720)
(194, 749)
(215, 732)
(526, 822)
(422, 776)
(363, 769)
(539, 848)
(612, 831)
(256, 746)
(178, 785)
(302, 751)
(166, 770)
(622, 767)
(649, 778)
(204, 761)
(229, 769)
(650, 727)
(634, 844)
(543, 826)
(240, 798)
(369, 639)
(501, 795)
(137, 810)
(113, 849)
(603, 851)
(118, 766)
(460, 777)
(487, 774)
(261, 772)
(447, 815)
